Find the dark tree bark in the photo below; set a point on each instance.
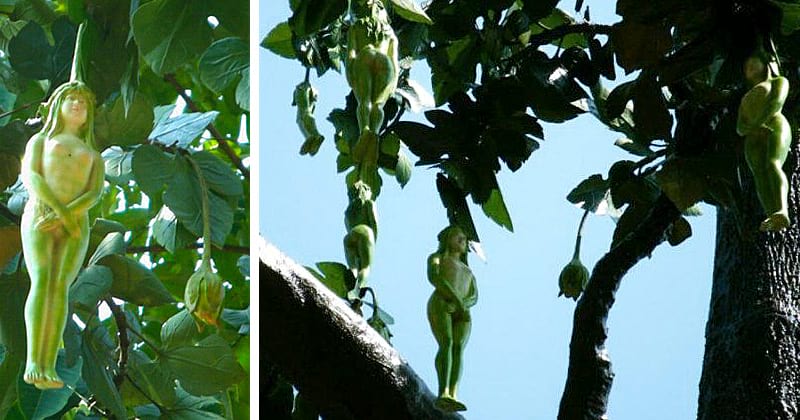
(330, 354)
(589, 376)
(751, 368)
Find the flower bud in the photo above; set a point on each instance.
(573, 279)
(203, 296)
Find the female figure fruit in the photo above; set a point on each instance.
(64, 177)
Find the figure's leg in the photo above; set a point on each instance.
(777, 149)
(359, 244)
(461, 329)
(441, 325)
(69, 259)
(37, 248)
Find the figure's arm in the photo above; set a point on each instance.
(779, 91)
(91, 196)
(33, 179)
(443, 287)
(472, 296)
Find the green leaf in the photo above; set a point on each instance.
(152, 169)
(183, 196)
(8, 28)
(171, 33)
(590, 193)
(32, 55)
(191, 407)
(279, 41)
(640, 45)
(155, 382)
(679, 231)
(90, 286)
(114, 125)
(312, 15)
(239, 318)
(118, 164)
(243, 91)
(454, 200)
(219, 176)
(409, 10)
(183, 129)
(243, 263)
(556, 18)
(225, 61)
(205, 368)
(683, 180)
(169, 233)
(37, 404)
(178, 330)
(790, 18)
(539, 9)
(113, 243)
(336, 276)
(496, 209)
(134, 283)
(97, 351)
(651, 117)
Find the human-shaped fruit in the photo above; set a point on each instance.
(203, 296)
(767, 136)
(305, 99)
(361, 222)
(448, 311)
(371, 69)
(64, 176)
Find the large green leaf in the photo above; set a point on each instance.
(134, 283)
(590, 193)
(410, 10)
(151, 379)
(171, 33)
(336, 276)
(152, 169)
(169, 233)
(279, 41)
(223, 63)
(90, 286)
(182, 129)
(312, 15)
(219, 176)
(97, 351)
(179, 330)
(496, 209)
(205, 368)
(37, 404)
(191, 407)
(113, 243)
(114, 125)
(118, 164)
(640, 45)
(32, 55)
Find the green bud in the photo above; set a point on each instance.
(203, 296)
(573, 279)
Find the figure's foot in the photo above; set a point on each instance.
(776, 221)
(449, 404)
(42, 378)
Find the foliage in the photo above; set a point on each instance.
(172, 82)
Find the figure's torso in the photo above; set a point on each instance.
(67, 164)
(458, 274)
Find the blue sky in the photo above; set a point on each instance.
(516, 360)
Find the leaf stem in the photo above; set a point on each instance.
(577, 252)
(206, 212)
(221, 140)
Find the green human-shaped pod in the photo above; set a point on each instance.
(305, 99)
(573, 279)
(203, 296)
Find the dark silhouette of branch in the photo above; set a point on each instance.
(221, 140)
(122, 336)
(589, 376)
(158, 248)
(329, 353)
(550, 35)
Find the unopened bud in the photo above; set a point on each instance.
(203, 296)
(573, 279)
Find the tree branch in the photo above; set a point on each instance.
(589, 376)
(158, 248)
(221, 140)
(550, 35)
(122, 336)
(330, 354)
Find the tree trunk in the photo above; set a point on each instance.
(751, 368)
(330, 354)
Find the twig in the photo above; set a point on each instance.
(158, 248)
(221, 140)
(146, 395)
(535, 41)
(122, 335)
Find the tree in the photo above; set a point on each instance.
(171, 81)
(678, 113)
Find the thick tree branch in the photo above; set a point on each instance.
(221, 140)
(589, 376)
(122, 336)
(158, 248)
(330, 354)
